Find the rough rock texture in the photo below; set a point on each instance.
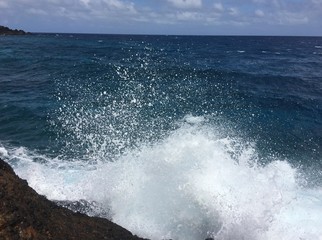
(8, 31)
(24, 214)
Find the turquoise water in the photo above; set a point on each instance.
(175, 136)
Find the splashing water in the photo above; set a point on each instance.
(192, 184)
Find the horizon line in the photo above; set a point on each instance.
(177, 35)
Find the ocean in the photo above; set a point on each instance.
(171, 137)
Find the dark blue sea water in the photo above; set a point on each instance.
(181, 137)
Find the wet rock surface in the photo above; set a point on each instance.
(89, 208)
(24, 214)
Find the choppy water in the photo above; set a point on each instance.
(174, 137)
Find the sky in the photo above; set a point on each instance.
(178, 17)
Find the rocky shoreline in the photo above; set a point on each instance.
(24, 214)
(7, 31)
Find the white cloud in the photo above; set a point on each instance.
(85, 2)
(186, 3)
(219, 7)
(119, 5)
(4, 4)
(259, 13)
(259, 1)
(71, 6)
(317, 5)
(36, 11)
(292, 18)
(188, 16)
(233, 11)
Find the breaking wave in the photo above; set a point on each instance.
(193, 184)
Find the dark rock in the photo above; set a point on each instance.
(86, 207)
(24, 214)
(8, 31)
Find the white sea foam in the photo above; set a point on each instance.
(192, 184)
(194, 119)
(3, 152)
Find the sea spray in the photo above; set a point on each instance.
(192, 184)
(190, 187)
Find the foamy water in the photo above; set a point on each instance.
(192, 184)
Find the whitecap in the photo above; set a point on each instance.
(192, 184)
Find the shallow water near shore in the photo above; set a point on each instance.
(170, 136)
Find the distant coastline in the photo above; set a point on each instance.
(7, 31)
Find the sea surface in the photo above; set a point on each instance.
(172, 137)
